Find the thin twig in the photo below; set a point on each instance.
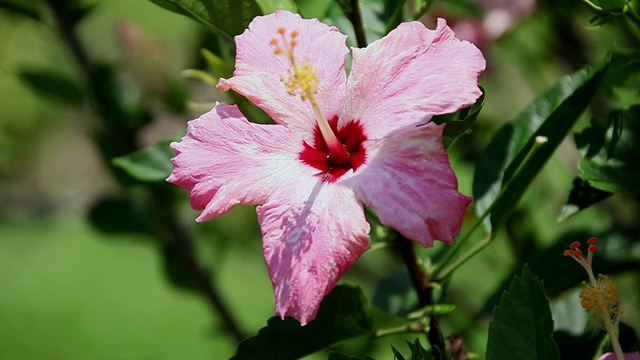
(67, 25)
(356, 21)
(420, 281)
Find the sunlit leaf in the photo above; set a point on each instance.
(344, 314)
(53, 86)
(522, 326)
(194, 9)
(225, 17)
(502, 175)
(232, 16)
(149, 164)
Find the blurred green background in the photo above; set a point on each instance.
(70, 291)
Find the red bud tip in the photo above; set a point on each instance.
(592, 241)
(568, 253)
(575, 245)
(593, 248)
(577, 253)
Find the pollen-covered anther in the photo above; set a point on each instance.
(301, 79)
(601, 299)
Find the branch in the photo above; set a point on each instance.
(421, 284)
(358, 27)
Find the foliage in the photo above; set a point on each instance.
(522, 323)
(570, 154)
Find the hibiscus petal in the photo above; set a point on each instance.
(410, 75)
(258, 70)
(408, 181)
(225, 160)
(312, 233)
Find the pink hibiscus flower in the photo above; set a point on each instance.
(627, 356)
(338, 143)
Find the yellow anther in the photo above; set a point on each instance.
(601, 299)
(301, 79)
(273, 42)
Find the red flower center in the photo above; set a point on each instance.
(331, 165)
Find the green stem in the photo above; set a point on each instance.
(633, 29)
(436, 274)
(633, 15)
(418, 327)
(423, 9)
(592, 5)
(466, 256)
(458, 244)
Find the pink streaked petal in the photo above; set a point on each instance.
(258, 69)
(627, 356)
(312, 233)
(224, 160)
(410, 75)
(408, 181)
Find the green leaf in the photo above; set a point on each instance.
(611, 5)
(392, 13)
(150, 164)
(611, 161)
(522, 326)
(232, 16)
(53, 86)
(344, 314)
(459, 123)
(581, 196)
(601, 19)
(502, 175)
(29, 11)
(417, 352)
(194, 9)
(225, 17)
